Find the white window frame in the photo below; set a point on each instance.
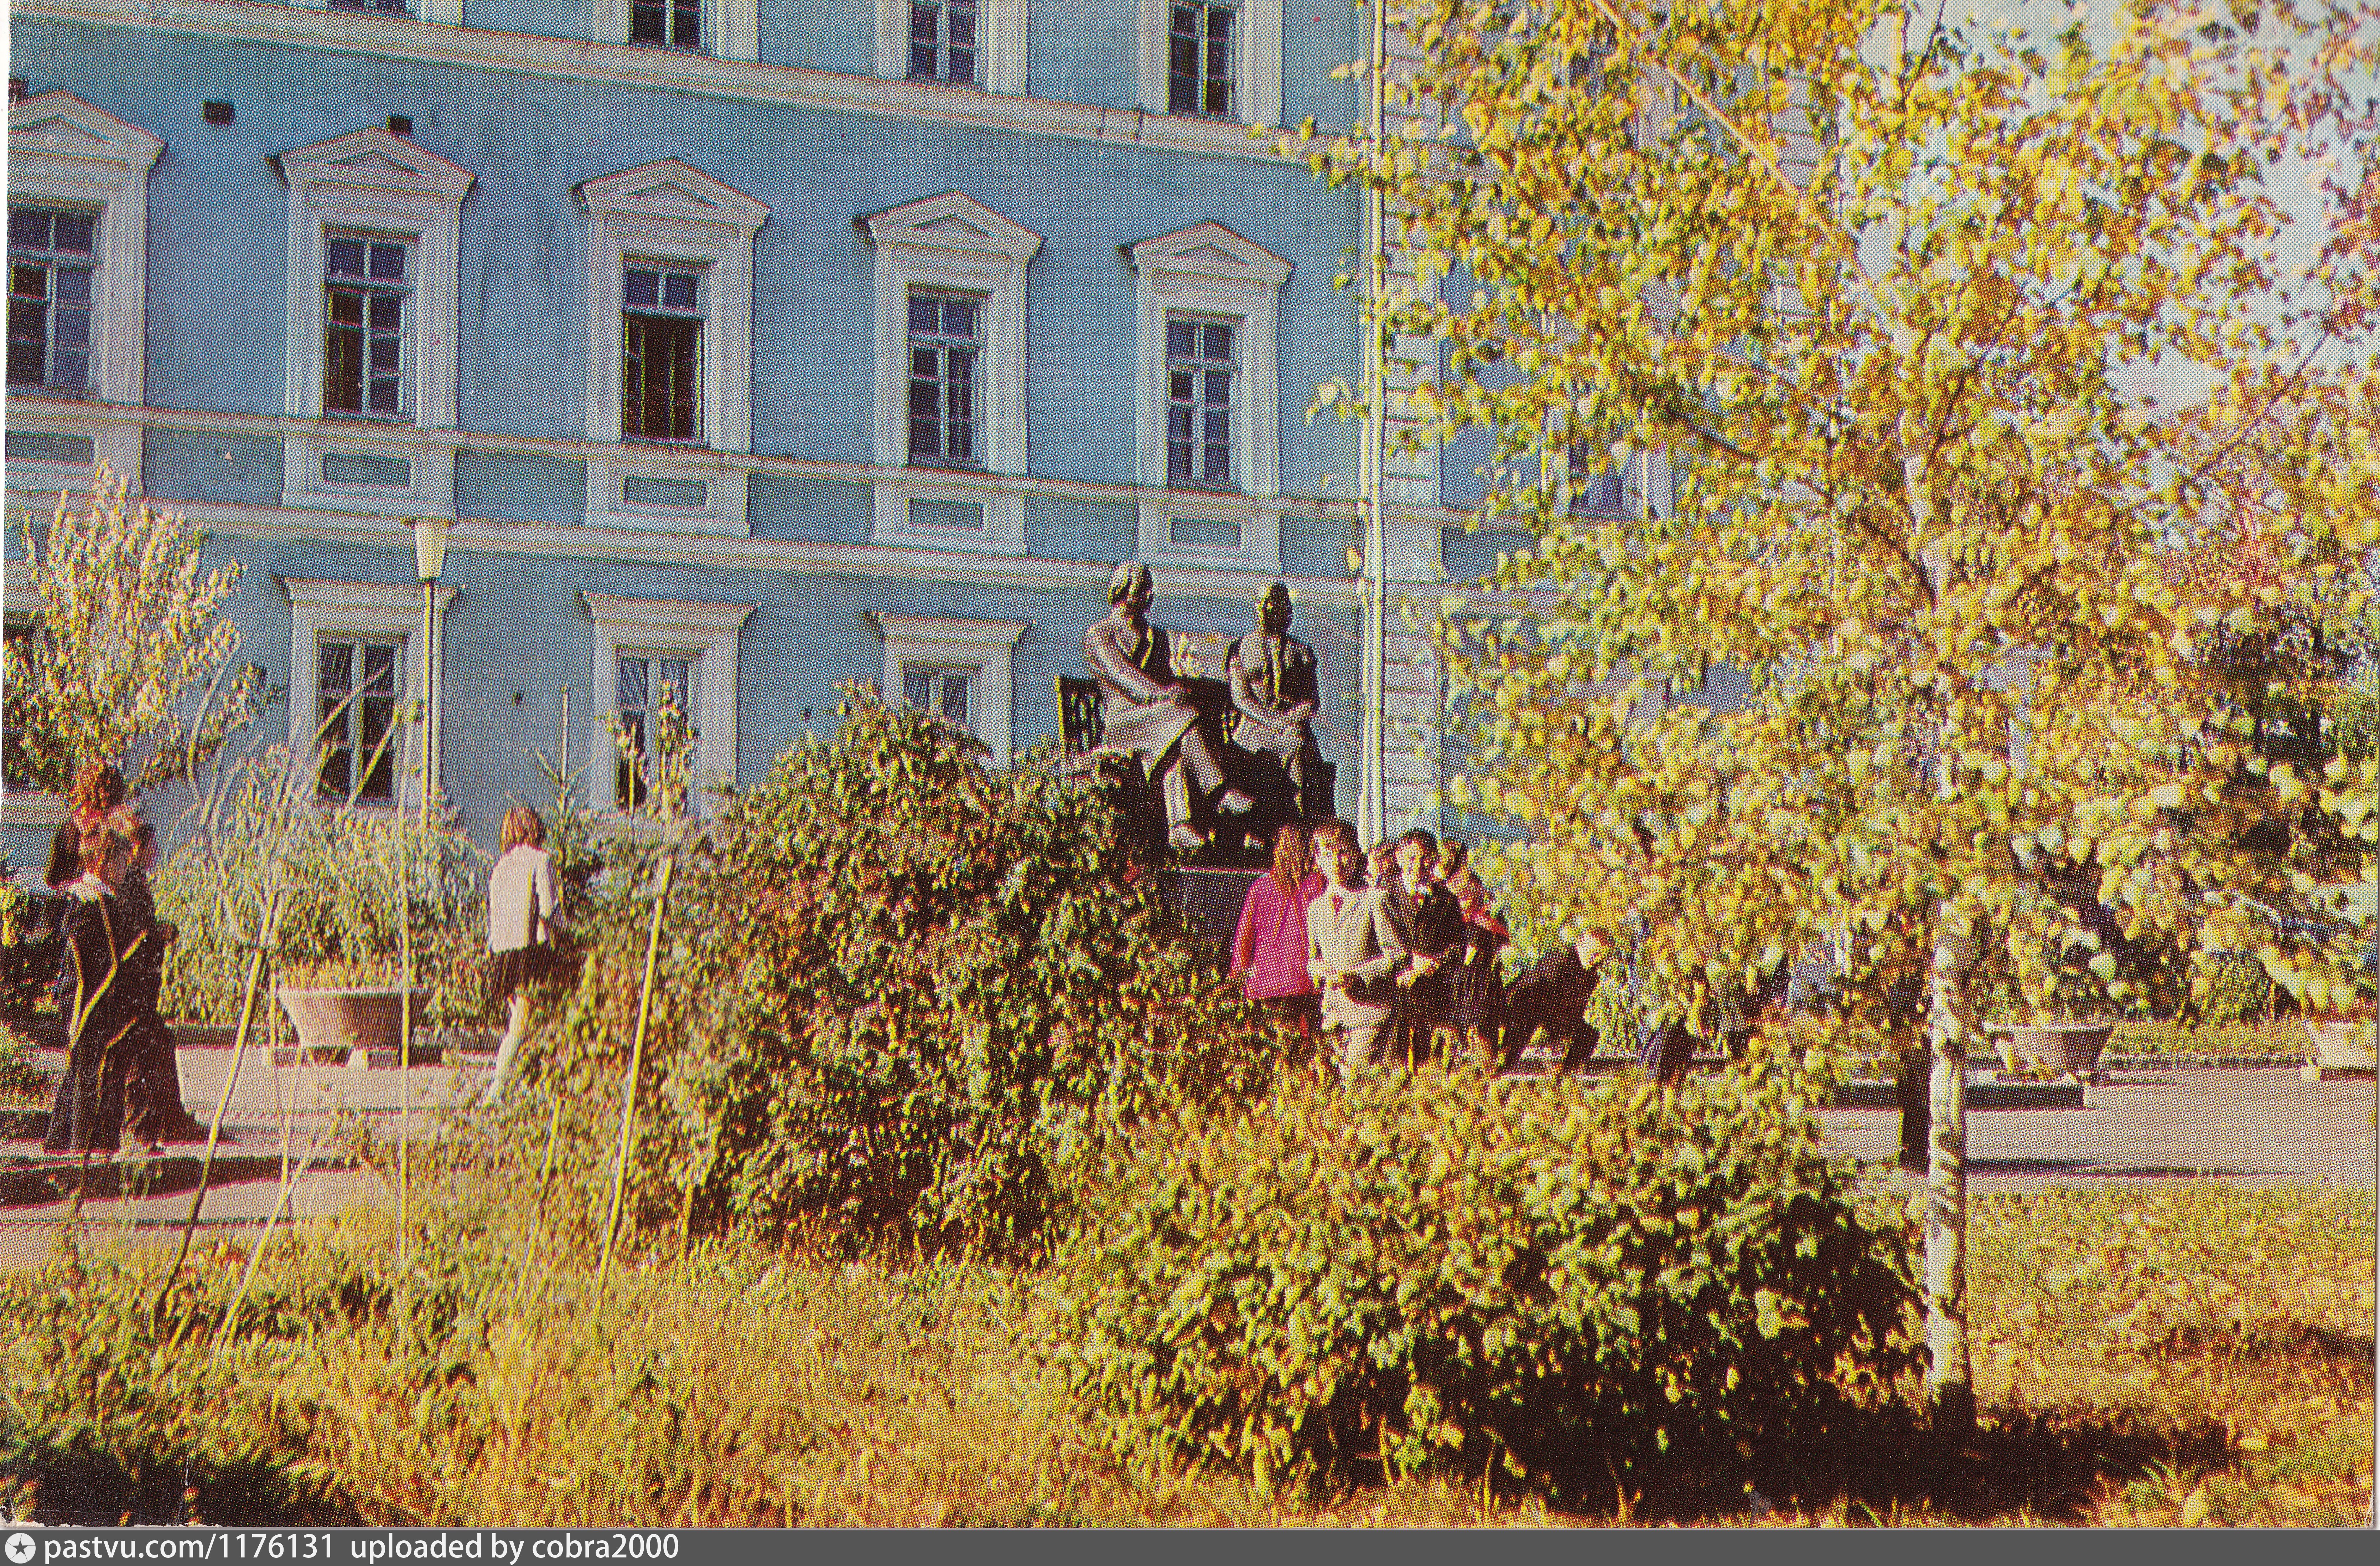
(989, 647)
(63, 151)
(385, 609)
(369, 181)
(1259, 59)
(1209, 271)
(731, 29)
(705, 636)
(670, 211)
(955, 242)
(998, 44)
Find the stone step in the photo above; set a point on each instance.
(1880, 1095)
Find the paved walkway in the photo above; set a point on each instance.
(2250, 1125)
(299, 1111)
(2257, 1125)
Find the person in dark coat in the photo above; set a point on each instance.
(1428, 924)
(1145, 711)
(1733, 1015)
(1552, 994)
(152, 1083)
(99, 938)
(1475, 989)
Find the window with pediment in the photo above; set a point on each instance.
(950, 373)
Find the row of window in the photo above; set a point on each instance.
(1203, 48)
(355, 659)
(360, 681)
(368, 325)
(373, 316)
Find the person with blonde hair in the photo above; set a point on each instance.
(521, 915)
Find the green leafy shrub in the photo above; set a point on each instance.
(2355, 721)
(1574, 1286)
(347, 876)
(902, 1000)
(21, 1077)
(2237, 989)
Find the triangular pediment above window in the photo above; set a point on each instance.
(372, 159)
(64, 126)
(1210, 249)
(952, 221)
(673, 189)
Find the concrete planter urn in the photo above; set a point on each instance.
(2342, 1047)
(2058, 1047)
(352, 1024)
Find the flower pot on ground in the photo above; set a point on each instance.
(351, 1023)
(2342, 1045)
(2056, 1048)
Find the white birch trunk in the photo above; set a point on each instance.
(1949, 1377)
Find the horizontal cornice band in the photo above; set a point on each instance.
(784, 557)
(78, 414)
(625, 65)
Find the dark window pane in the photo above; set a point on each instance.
(29, 227)
(388, 262)
(330, 781)
(73, 231)
(346, 258)
(677, 291)
(28, 341)
(644, 288)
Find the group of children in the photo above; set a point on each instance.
(1394, 955)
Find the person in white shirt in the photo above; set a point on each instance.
(521, 913)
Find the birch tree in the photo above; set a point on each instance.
(125, 660)
(1943, 325)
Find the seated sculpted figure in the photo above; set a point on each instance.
(1277, 686)
(1145, 711)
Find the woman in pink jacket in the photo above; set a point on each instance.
(1269, 950)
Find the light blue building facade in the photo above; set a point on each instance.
(753, 349)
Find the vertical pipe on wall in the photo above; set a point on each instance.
(1371, 803)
